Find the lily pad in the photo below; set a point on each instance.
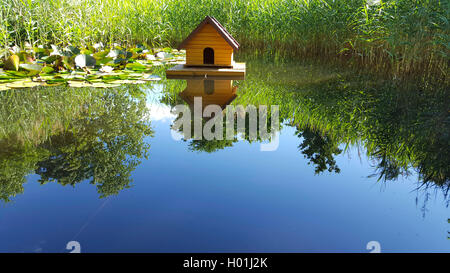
(106, 69)
(50, 59)
(22, 84)
(17, 74)
(59, 66)
(79, 84)
(101, 54)
(104, 85)
(136, 66)
(12, 63)
(84, 60)
(72, 50)
(4, 87)
(47, 69)
(164, 55)
(31, 67)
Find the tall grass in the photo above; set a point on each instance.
(401, 38)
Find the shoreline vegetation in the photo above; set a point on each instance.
(401, 39)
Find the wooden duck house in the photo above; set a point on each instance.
(209, 52)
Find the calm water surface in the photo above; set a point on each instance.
(101, 167)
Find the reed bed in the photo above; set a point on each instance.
(402, 38)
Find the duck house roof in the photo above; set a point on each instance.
(220, 29)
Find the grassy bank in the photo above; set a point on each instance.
(403, 38)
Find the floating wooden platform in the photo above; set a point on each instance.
(183, 71)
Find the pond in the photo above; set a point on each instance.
(358, 160)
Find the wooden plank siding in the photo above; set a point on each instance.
(207, 36)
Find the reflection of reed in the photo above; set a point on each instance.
(32, 115)
(400, 127)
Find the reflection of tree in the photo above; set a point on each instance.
(319, 150)
(203, 145)
(16, 161)
(209, 146)
(104, 142)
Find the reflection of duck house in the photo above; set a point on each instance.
(218, 92)
(209, 52)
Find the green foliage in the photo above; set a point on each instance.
(402, 38)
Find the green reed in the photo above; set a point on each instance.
(402, 38)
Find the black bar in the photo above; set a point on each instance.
(229, 262)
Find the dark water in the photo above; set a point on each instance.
(358, 160)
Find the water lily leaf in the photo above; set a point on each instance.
(127, 82)
(22, 84)
(16, 74)
(72, 50)
(135, 75)
(157, 63)
(55, 81)
(84, 60)
(31, 67)
(93, 77)
(106, 69)
(136, 66)
(50, 59)
(104, 60)
(12, 63)
(79, 84)
(164, 55)
(73, 77)
(109, 78)
(122, 54)
(51, 83)
(104, 85)
(4, 87)
(114, 53)
(47, 69)
(120, 61)
(101, 54)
